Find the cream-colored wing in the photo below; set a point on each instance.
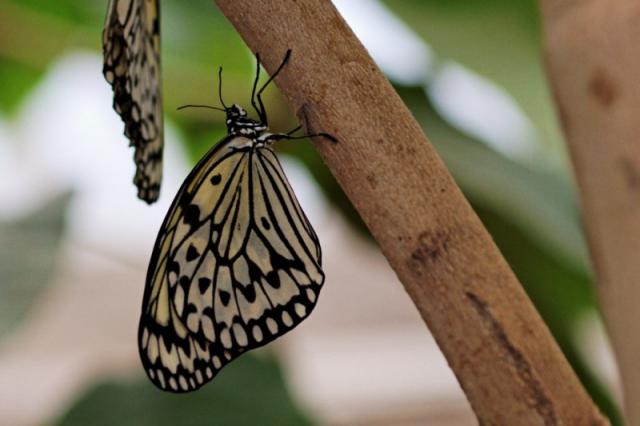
(131, 45)
(236, 265)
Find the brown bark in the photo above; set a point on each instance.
(593, 63)
(500, 350)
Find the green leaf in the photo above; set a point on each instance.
(73, 11)
(248, 392)
(17, 78)
(28, 251)
(498, 39)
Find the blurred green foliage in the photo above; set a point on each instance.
(251, 393)
(499, 39)
(24, 277)
(530, 211)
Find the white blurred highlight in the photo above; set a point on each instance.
(484, 110)
(400, 53)
(71, 139)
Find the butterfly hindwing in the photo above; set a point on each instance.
(236, 264)
(131, 44)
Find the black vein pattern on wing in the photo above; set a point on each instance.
(224, 191)
(275, 167)
(149, 310)
(253, 225)
(240, 332)
(272, 214)
(290, 201)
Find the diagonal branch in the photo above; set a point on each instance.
(593, 64)
(500, 350)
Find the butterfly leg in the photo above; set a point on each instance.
(291, 132)
(287, 136)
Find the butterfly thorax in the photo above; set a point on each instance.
(239, 124)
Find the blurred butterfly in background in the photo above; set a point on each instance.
(236, 263)
(131, 47)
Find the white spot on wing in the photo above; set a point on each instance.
(163, 384)
(152, 349)
(286, 319)
(207, 328)
(225, 338)
(183, 383)
(301, 310)
(272, 325)
(239, 333)
(257, 333)
(311, 295)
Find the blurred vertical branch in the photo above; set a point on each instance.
(500, 350)
(593, 63)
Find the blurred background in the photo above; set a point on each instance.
(75, 241)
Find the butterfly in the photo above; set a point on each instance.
(236, 263)
(131, 47)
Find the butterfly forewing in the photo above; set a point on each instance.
(236, 264)
(131, 44)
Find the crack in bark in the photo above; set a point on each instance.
(431, 246)
(540, 401)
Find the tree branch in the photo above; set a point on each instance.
(593, 63)
(500, 350)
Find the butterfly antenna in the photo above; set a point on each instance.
(220, 88)
(275, 74)
(201, 106)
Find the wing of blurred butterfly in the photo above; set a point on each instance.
(236, 264)
(131, 43)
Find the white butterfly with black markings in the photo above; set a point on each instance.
(236, 263)
(131, 45)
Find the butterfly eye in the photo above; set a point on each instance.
(238, 110)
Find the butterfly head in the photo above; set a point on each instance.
(234, 112)
(239, 124)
